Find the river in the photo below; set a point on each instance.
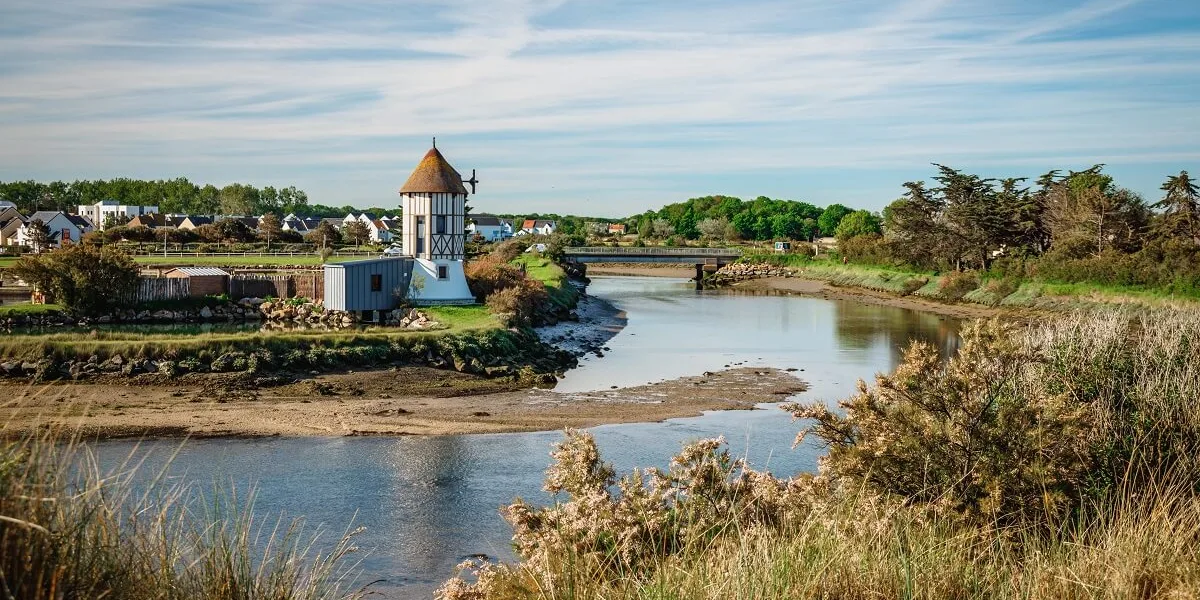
(428, 502)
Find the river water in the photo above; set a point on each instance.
(429, 502)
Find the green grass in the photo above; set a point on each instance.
(242, 261)
(7, 261)
(23, 310)
(552, 276)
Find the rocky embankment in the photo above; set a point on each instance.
(737, 272)
(293, 311)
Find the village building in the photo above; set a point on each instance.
(11, 220)
(202, 281)
(616, 228)
(64, 228)
(434, 231)
(106, 212)
(192, 222)
(537, 227)
(490, 227)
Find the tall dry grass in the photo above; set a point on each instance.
(71, 530)
(1055, 461)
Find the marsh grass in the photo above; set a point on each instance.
(70, 529)
(1052, 461)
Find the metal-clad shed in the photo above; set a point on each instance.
(203, 281)
(367, 285)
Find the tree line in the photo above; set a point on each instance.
(1065, 226)
(178, 196)
(731, 219)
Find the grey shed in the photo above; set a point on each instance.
(378, 284)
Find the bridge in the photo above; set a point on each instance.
(707, 260)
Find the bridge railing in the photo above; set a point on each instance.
(650, 251)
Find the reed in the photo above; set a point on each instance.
(70, 529)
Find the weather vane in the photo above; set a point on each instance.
(472, 181)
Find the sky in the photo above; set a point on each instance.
(604, 108)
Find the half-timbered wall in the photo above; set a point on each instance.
(442, 208)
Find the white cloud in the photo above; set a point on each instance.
(585, 96)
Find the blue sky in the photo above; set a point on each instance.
(603, 108)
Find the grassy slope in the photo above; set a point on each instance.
(552, 276)
(1034, 294)
(27, 309)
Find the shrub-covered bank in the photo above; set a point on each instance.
(955, 286)
(1054, 461)
(492, 352)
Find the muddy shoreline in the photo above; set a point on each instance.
(816, 289)
(398, 401)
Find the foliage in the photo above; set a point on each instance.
(38, 235)
(324, 235)
(84, 279)
(356, 231)
(170, 196)
(955, 284)
(519, 304)
(490, 274)
(857, 223)
(831, 217)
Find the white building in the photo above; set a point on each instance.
(537, 227)
(64, 228)
(100, 212)
(492, 228)
(433, 232)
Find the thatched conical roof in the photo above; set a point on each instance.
(434, 175)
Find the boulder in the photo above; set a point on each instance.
(206, 313)
(163, 315)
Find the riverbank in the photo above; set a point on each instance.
(399, 401)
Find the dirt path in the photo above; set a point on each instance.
(403, 401)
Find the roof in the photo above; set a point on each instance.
(79, 221)
(485, 220)
(198, 221)
(532, 223)
(199, 271)
(359, 263)
(434, 175)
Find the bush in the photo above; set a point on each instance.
(519, 305)
(88, 280)
(956, 284)
(491, 274)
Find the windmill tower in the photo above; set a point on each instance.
(434, 231)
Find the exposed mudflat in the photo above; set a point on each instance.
(401, 401)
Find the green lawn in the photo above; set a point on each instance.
(242, 261)
(7, 261)
(13, 310)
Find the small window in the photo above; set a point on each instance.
(377, 283)
(440, 224)
(443, 272)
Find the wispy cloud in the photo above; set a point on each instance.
(622, 105)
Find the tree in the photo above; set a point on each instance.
(84, 279)
(830, 217)
(233, 230)
(238, 199)
(38, 235)
(357, 232)
(1085, 214)
(324, 235)
(712, 229)
(913, 226)
(269, 228)
(1181, 208)
(859, 222)
(662, 229)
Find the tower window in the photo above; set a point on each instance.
(443, 272)
(440, 224)
(377, 283)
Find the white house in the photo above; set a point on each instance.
(491, 227)
(537, 227)
(100, 212)
(11, 220)
(63, 228)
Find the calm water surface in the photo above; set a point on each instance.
(428, 502)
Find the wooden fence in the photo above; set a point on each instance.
(311, 285)
(155, 289)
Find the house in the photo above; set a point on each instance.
(381, 231)
(102, 213)
(154, 221)
(10, 221)
(538, 227)
(64, 228)
(190, 222)
(202, 281)
(616, 228)
(491, 227)
(367, 287)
